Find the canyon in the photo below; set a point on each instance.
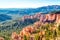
(31, 29)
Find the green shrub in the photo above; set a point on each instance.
(36, 37)
(25, 37)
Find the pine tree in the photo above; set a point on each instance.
(25, 38)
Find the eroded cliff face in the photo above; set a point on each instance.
(58, 18)
(52, 17)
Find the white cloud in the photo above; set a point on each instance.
(25, 4)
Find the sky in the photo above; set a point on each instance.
(27, 3)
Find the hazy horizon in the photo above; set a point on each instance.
(27, 3)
